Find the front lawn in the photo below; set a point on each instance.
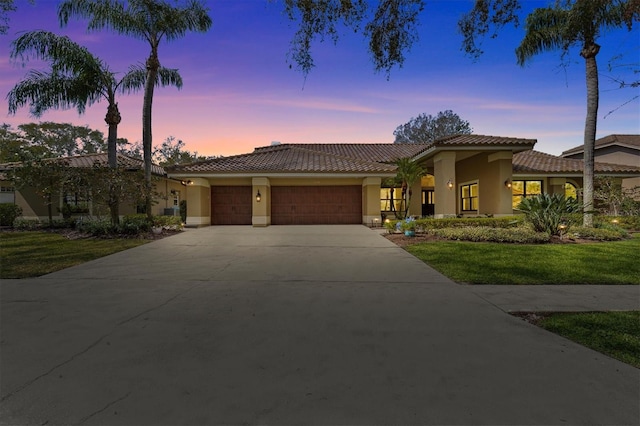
(616, 334)
(31, 254)
(497, 263)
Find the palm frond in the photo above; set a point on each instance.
(545, 30)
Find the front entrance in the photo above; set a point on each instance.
(428, 206)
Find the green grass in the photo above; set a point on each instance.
(496, 263)
(31, 254)
(616, 334)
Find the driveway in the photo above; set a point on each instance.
(287, 325)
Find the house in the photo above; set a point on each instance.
(282, 184)
(615, 149)
(168, 192)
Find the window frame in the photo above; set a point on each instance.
(524, 190)
(471, 198)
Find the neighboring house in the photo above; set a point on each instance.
(169, 192)
(282, 184)
(615, 149)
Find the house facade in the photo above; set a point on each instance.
(468, 175)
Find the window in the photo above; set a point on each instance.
(390, 199)
(570, 191)
(521, 189)
(77, 202)
(469, 197)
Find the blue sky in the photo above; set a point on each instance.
(239, 91)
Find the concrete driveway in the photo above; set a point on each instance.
(286, 325)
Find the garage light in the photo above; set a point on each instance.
(258, 196)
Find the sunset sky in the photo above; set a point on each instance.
(240, 93)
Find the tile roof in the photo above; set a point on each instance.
(539, 162)
(630, 141)
(336, 157)
(89, 160)
(299, 158)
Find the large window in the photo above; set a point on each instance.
(570, 191)
(390, 199)
(524, 188)
(469, 197)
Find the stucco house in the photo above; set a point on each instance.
(615, 149)
(169, 192)
(468, 175)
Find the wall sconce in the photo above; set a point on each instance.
(258, 196)
(186, 182)
(450, 184)
(507, 183)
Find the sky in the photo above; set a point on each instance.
(240, 91)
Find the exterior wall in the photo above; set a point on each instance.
(198, 194)
(165, 197)
(444, 171)
(261, 209)
(371, 201)
(490, 171)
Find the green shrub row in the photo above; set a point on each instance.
(518, 234)
(630, 223)
(431, 223)
(609, 233)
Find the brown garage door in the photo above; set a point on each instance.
(231, 205)
(316, 205)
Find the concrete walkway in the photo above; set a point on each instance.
(288, 325)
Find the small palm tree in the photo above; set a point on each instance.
(148, 20)
(567, 24)
(409, 172)
(76, 78)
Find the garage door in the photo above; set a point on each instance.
(316, 205)
(231, 205)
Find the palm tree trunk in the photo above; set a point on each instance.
(152, 73)
(113, 118)
(589, 53)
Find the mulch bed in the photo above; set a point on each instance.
(402, 241)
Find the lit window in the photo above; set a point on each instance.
(469, 197)
(570, 191)
(521, 189)
(390, 199)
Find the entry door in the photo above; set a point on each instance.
(428, 206)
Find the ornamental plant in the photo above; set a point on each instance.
(548, 212)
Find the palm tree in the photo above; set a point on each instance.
(149, 20)
(409, 172)
(565, 25)
(77, 79)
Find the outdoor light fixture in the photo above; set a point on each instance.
(450, 184)
(258, 196)
(507, 183)
(186, 182)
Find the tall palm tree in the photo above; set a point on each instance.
(567, 24)
(148, 20)
(76, 78)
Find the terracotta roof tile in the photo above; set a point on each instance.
(632, 141)
(539, 162)
(469, 140)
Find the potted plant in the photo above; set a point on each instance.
(409, 227)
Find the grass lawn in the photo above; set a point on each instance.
(31, 254)
(495, 263)
(616, 334)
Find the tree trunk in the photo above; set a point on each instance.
(113, 118)
(589, 53)
(147, 143)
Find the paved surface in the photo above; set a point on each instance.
(288, 325)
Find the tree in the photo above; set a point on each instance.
(390, 27)
(408, 173)
(6, 6)
(62, 139)
(147, 20)
(427, 128)
(77, 79)
(172, 152)
(578, 23)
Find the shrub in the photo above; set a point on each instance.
(498, 235)
(608, 233)
(168, 222)
(96, 227)
(135, 224)
(546, 212)
(8, 213)
(426, 224)
(183, 211)
(630, 223)
(27, 224)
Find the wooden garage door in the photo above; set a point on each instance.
(316, 205)
(231, 205)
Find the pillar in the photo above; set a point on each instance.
(261, 209)
(444, 171)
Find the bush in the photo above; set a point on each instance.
(183, 211)
(96, 227)
(546, 212)
(8, 213)
(426, 224)
(167, 222)
(27, 224)
(135, 224)
(608, 233)
(630, 223)
(520, 234)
